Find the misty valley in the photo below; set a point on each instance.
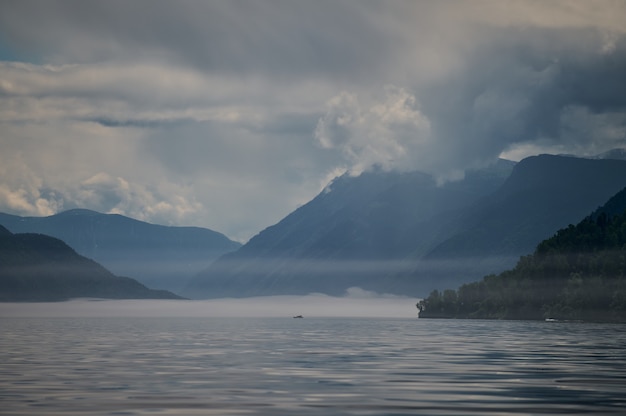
(312, 208)
(384, 233)
(102, 314)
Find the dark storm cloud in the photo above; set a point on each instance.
(523, 86)
(229, 114)
(275, 37)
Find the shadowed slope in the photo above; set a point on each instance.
(35, 267)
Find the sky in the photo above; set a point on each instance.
(231, 114)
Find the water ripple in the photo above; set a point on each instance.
(203, 366)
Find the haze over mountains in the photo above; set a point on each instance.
(402, 233)
(158, 256)
(36, 267)
(543, 194)
(387, 232)
(577, 274)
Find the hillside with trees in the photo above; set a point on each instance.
(578, 274)
(40, 268)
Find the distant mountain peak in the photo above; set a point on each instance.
(401, 233)
(37, 267)
(79, 211)
(619, 153)
(159, 256)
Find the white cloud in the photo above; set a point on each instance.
(51, 166)
(21, 189)
(121, 93)
(23, 201)
(389, 134)
(212, 113)
(122, 138)
(116, 195)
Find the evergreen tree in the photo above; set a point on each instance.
(578, 274)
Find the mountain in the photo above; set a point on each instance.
(577, 274)
(36, 267)
(355, 232)
(156, 255)
(543, 194)
(612, 154)
(402, 233)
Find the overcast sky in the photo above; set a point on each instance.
(230, 114)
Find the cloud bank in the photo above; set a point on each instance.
(357, 303)
(229, 115)
(389, 134)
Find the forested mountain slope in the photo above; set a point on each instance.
(543, 194)
(578, 274)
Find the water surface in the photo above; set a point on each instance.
(311, 366)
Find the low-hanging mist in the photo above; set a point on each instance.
(356, 303)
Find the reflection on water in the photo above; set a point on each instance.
(322, 366)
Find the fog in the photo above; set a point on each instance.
(357, 303)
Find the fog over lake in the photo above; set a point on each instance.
(357, 303)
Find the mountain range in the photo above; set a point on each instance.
(543, 194)
(388, 232)
(158, 256)
(404, 233)
(36, 267)
(577, 274)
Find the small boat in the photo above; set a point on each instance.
(298, 316)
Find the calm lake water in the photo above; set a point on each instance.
(311, 366)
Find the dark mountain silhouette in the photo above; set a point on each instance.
(403, 234)
(158, 256)
(543, 194)
(354, 233)
(579, 273)
(36, 267)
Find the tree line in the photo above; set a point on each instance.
(578, 274)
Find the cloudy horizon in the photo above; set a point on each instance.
(229, 115)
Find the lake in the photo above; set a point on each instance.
(199, 365)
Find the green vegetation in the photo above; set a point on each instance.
(578, 274)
